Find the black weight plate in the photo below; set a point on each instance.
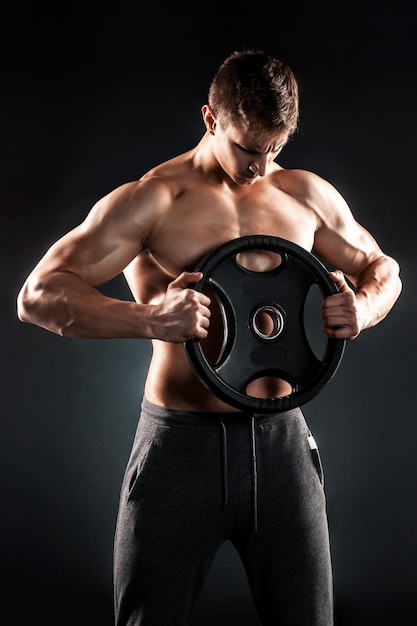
(247, 353)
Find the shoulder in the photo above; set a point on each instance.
(306, 184)
(315, 193)
(139, 203)
(158, 184)
(171, 175)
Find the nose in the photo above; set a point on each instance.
(259, 166)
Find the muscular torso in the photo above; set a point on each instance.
(161, 226)
(200, 217)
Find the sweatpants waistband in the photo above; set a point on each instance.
(201, 418)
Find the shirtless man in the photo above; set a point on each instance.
(190, 480)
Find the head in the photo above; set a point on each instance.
(253, 102)
(256, 90)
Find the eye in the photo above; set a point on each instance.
(246, 150)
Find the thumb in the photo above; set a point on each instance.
(339, 279)
(183, 280)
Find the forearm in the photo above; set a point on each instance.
(377, 289)
(69, 307)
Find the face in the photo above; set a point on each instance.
(244, 155)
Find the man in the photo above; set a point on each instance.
(190, 481)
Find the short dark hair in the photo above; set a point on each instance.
(255, 88)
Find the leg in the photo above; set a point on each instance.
(288, 560)
(170, 523)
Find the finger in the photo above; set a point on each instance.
(337, 321)
(340, 320)
(341, 332)
(205, 311)
(343, 302)
(200, 328)
(197, 300)
(183, 280)
(205, 323)
(339, 279)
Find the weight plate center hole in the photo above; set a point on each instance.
(267, 322)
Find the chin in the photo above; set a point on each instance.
(244, 180)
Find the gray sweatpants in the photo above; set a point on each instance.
(195, 480)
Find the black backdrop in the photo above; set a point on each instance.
(91, 97)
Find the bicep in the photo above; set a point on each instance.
(93, 255)
(342, 241)
(112, 234)
(103, 244)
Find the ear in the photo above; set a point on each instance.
(209, 118)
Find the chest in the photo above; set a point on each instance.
(200, 223)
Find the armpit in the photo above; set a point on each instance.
(147, 280)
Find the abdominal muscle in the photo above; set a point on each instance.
(172, 383)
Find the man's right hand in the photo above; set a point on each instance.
(183, 313)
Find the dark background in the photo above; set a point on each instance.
(91, 97)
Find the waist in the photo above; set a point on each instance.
(171, 382)
(209, 418)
